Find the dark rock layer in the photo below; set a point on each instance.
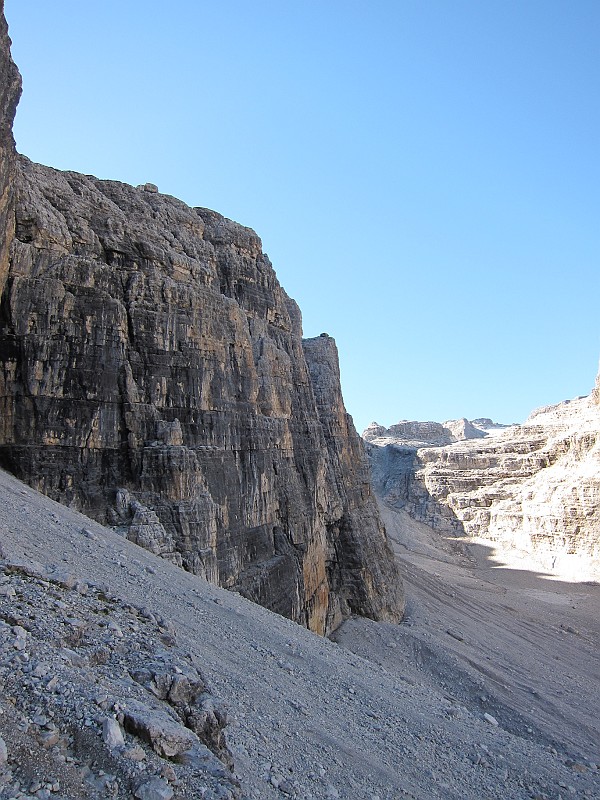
(153, 375)
(10, 92)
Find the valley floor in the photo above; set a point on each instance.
(496, 636)
(389, 711)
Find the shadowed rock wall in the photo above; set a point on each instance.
(152, 374)
(10, 91)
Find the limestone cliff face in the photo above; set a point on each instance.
(361, 564)
(153, 375)
(533, 487)
(10, 91)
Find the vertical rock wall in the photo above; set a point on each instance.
(10, 91)
(152, 374)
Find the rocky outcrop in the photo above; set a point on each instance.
(153, 375)
(534, 487)
(101, 696)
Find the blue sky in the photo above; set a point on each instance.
(424, 174)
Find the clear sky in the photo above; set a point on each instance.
(424, 174)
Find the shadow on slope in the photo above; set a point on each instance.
(491, 638)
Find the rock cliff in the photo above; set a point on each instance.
(10, 91)
(153, 375)
(533, 487)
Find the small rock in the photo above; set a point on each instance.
(492, 720)
(168, 773)
(3, 752)
(48, 739)
(150, 187)
(166, 736)
(112, 626)
(65, 579)
(134, 753)
(112, 733)
(74, 658)
(155, 789)
(41, 670)
(75, 622)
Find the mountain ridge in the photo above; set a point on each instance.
(533, 488)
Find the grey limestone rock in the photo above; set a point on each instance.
(112, 733)
(149, 354)
(154, 789)
(168, 738)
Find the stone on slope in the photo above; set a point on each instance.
(154, 789)
(112, 733)
(168, 738)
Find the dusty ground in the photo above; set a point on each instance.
(402, 715)
(491, 630)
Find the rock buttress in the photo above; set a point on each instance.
(360, 564)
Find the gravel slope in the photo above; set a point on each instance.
(401, 716)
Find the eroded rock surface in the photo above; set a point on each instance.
(153, 375)
(533, 487)
(10, 91)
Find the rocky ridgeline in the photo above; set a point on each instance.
(97, 699)
(153, 375)
(426, 434)
(533, 487)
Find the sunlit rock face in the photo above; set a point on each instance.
(153, 375)
(534, 487)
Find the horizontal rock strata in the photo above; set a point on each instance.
(534, 487)
(153, 375)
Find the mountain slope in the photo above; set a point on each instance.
(306, 718)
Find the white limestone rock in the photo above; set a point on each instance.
(533, 488)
